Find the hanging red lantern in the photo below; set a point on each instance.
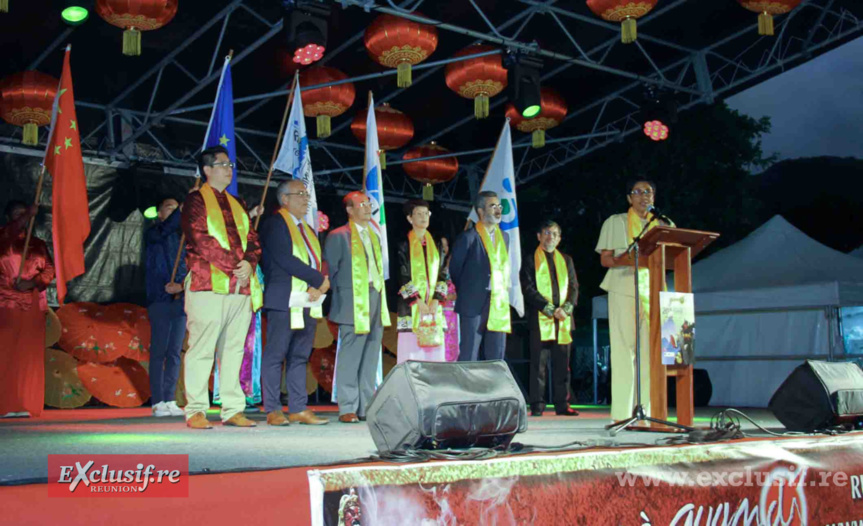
(329, 102)
(624, 11)
(477, 78)
(430, 171)
(397, 42)
(395, 129)
(767, 10)
(135, 16)
(553, 111)
(26, 100)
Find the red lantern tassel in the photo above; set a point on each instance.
(4, 6)
(383, 155)
(324, 128)
(132, 42)
(31, 134)
(480, 106)
(765, 24)
(537, 138)
(428, 192)
(628, 32)
(403, 78)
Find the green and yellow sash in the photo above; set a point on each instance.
(498, 259)
(300, 252)
(422, 280)
(216, 228)
(543, 286)
(360, 281)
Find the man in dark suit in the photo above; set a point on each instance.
(551, 294)
(359, 306)
(481, 323)
(291, 263)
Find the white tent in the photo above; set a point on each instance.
(764, 305)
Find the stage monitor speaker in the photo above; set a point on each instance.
(440, 405)
(818, 395)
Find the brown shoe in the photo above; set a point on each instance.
(238, 420)
(277, 418)
(349, 418)
(198, 421)
(307, 417)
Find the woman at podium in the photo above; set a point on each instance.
(616, 236)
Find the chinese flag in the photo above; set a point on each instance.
(71, 214)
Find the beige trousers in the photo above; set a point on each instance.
(621, 321)
(218, 324)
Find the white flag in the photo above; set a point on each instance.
(373, 184)
(500, 179)
(294, 155)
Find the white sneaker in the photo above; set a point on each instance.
(16, 414)
(161, 409)
(174, 409)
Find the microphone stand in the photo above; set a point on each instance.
(638, 413)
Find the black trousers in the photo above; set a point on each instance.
(540, 353)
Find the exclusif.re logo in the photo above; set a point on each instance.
(118, 475)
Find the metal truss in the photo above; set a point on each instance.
(695, 75)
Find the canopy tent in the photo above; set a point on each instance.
(764, 305)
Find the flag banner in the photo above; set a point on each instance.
(294, 157)
(70, 220)
(373, 184)
(500, 179)
(220, 131)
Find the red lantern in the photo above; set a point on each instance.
(325, 103)
(135, 16)
(395, 129)
(767, 10)
(26, 100)
(553, 111)
(397, 42)
(477, 78)
(430, 171)
(624, 11)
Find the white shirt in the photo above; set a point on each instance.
(370, 254)
(299, 224)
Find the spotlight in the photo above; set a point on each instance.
(76, 12)
(151, 213)
(658, 113)
(656, 130)
(306, 24)
(524, 83)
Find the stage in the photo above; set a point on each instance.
(300, 474)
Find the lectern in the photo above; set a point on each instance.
(669, 248)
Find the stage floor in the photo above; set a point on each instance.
(25, 443)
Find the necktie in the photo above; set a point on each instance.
(317, 263)
(373, 264)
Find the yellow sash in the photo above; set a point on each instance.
(424, 281)
(300, 252)
(498, 259)
(543, 286)
(360, 281)
(216, 228)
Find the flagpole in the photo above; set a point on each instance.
(278, 144)
(30, 225)
(198, 178)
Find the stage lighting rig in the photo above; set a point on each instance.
(524, 83)
(75, 12)
(306, 25)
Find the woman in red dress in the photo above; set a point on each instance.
(22, 315)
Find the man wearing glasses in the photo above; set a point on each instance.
(550, 293)
(222, 290)
(359, 306)
(480, 271)
(292, 264)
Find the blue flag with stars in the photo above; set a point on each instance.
(221, 128)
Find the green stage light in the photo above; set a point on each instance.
(531, 111)
(75, 15)
(151, 213)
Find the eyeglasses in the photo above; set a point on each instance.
(226, 164)
(364, 204)
(301, 194)
(494, 207)
(551, 233)
(647, 192)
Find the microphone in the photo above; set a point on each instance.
(658, 214)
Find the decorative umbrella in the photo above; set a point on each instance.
(86, 335)
(323, 364)
(124, 384)
(323, 336)
(53, 328)
(63, 387)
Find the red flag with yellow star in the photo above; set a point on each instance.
(71, 210)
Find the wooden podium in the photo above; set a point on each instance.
(667, 248)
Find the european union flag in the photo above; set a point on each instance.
(221, 128)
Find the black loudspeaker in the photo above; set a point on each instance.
(818, 395)
(440, 405)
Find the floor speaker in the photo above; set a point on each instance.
(818, 395)
(440, 405)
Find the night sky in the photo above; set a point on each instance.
(816, 109)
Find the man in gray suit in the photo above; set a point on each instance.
(353, 256)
